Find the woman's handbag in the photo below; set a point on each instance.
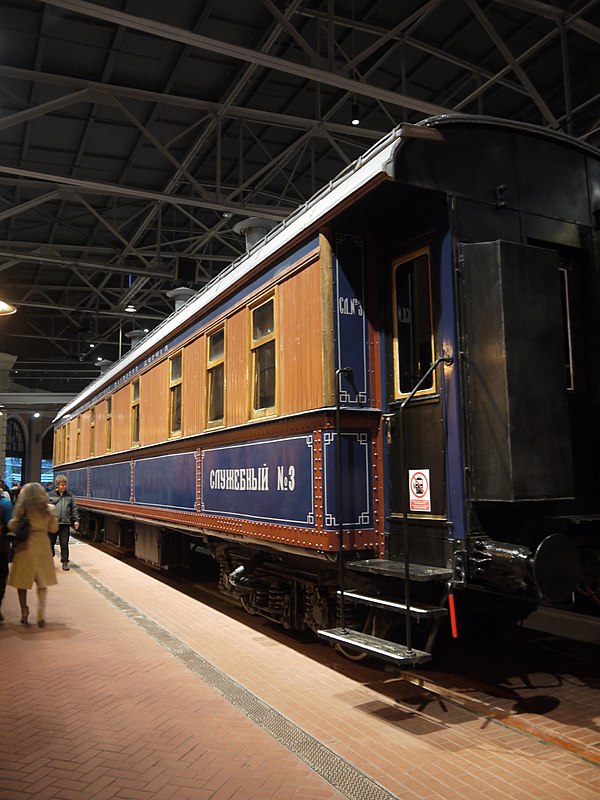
(20, 533)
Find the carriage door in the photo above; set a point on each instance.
(417, 474)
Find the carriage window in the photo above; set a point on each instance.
(92, 430)
(263, 357)
(566, 303)
(175, 390)
(413, 332)
(135, 412)
(216, 377)
(108, 426)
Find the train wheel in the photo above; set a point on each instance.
(374, 625)
(350, 653)
(248, 607)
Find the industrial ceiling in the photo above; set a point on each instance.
(136, 134)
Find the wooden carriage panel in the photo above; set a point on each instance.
(100, 427)
(300, 342)
(121, 418)
(236, 369)
(84, 434)
(194, 386)
(70, 440)
(154, 404)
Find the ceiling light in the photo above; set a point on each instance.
(92, 345)
(6, 309)
(36, 414)
(355, 120)
(130, 308)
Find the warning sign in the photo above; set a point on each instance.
(419, 490)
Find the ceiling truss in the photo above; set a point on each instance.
(136, 134)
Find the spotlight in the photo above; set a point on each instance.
(6, 308)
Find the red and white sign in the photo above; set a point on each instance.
(419, 490)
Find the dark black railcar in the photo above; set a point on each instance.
(508, 432)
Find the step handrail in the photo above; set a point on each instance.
(347, 372)
(447, 359)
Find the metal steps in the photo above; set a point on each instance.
(384, 566)
(380, 648)
(419, 611)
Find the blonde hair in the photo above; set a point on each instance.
(61, 479)
(32, 497)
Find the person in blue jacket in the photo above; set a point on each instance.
(68, 516)
(6, 510)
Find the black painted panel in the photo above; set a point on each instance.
(519, 444)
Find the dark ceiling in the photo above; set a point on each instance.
(135, 134)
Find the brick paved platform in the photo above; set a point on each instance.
(134, 690)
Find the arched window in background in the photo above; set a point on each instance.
(47, 476)
(15, 452)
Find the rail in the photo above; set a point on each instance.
(403, 461)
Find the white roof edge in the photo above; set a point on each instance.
(379, 158)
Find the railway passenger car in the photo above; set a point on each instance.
(381, 422)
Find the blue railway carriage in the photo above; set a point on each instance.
(381, 422)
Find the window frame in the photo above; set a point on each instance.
(255, 345)
(59, 444)
(176, 388)
(134, 416)
(78, 437)
(411, 256)
(212, 366)
(92, 431)
(108, 425)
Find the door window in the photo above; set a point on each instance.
(413, 330)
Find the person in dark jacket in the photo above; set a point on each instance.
(5, 516)
(68, 516)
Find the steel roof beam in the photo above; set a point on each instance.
(104, 93)
(514, 64)
(65, 262)
(164, 31)
(116, 190)
(559, 16)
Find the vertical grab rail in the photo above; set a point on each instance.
(405, 502)
(346, 371)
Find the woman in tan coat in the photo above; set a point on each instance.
(32, 560)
